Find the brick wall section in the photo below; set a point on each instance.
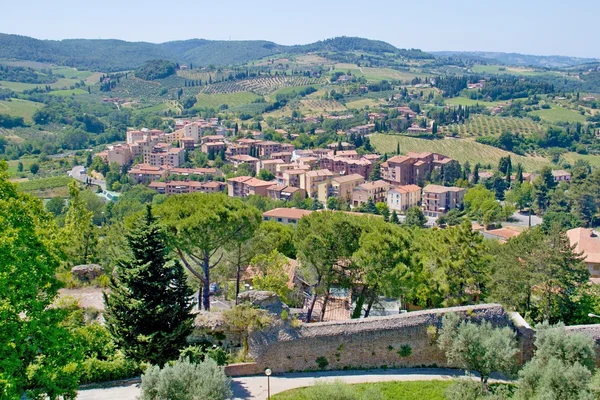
(364, 343)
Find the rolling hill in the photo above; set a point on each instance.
(524, 60)
(110, 55)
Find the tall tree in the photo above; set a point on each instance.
(37, 353)
(325, 242)
(383, 262)
(537, 274)
(79, 233)
(148, 307)
(201, 226)
(375, 172)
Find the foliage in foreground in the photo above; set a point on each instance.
(37, 353)
(186, 381)
(561, 368)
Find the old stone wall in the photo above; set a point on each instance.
(405, 340)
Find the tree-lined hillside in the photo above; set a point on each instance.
(118, 55)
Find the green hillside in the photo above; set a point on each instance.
(118, 55)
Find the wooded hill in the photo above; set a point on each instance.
(110, 55)
(525, 60)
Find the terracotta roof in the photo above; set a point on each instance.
(348, 178)
(257, 182)
(410, 188)
(243, 157)
(294, 213)
(213, 184)
(441, 189)
(319, 172)
(586, 241)
(239, 179)
(399, 159)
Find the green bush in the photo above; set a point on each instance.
(118, 367)
(405, 351)
(186, 381)
(197, 354)
(322, 362)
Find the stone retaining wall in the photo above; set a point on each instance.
(405, 340)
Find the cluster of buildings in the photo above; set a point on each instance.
(335, 171)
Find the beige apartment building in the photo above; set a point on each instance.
(438, 200)
(340, 186)
(269, 165)
(402, 198)
(312, 180)
(371, 190)
(244, 186)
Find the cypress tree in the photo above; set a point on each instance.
(398, 148)
(148, 308)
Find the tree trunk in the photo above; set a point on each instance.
(238, 273)
(357, 312)
(312, 301)
(325, 300)
(206, 283)
(372, 298)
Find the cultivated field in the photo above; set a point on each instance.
(484, 125)
(461, 150)
(262, 86)
(320, 106)
(377, 74)
(358, 104)
(19, 108)
(496, 69)
(463, 101)
(559, 114)
(231, 99)
(67, 92)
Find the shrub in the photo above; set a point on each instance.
(478, 347)
(561, 367)
(186, 381)
(322, 362)
(405, 351)
(118, 367)
(469, 389)
(197, 354)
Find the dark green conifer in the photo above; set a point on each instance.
(148, 307)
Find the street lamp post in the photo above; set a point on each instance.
(268, 373)
(593, 315)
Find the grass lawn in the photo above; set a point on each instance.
(67, 92)
(40, 184)
(231, 99)
(358, 104)
(13, 164)
(459, 149)
(463, 101)
(68, 72)
(421, 390)
(19, 87)
(19, 108)
(559, 114)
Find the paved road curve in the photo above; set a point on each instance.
(255, 387)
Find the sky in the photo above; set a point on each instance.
(540, 27)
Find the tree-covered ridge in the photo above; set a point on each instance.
(118, 55)
(25, 75)
(518, 59)
(156, 69)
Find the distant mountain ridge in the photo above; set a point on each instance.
(114, 55)
(525, 60)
